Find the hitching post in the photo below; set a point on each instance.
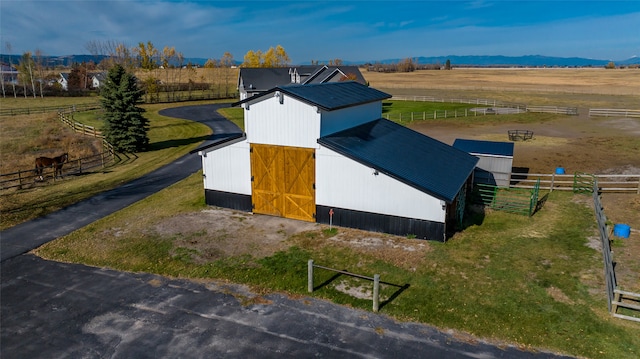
(376, 292)
(310, 276)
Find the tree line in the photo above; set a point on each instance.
(159, 70)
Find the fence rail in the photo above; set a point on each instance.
(611, 112)
(432, 115)
(375, 279)
(79, 127)
(45, 109)
(494, 103)
(485, 102)
(554, 109)
(616, 298)
(28, 178)
(567, 182)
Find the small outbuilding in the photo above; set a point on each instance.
(495, 160)
(321, 153)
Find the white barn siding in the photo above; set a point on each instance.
(344, 183)
(292, 123)
(499, 166)
(342, 119)
(228, 169)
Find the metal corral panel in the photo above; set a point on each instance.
(228, 169)
(291, 123)
(345, 183)
(342, 119)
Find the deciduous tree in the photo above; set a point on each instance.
(274, 57)
(252, 59)
(225, 63)
(147, 55)
(13, 83)
(125, 126)
(26, 69)
(282, 58)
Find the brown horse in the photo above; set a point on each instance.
(46, 162)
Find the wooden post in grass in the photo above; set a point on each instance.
(310, 276)
(376, 292)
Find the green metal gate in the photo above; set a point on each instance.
(583, 182)
(513, 200)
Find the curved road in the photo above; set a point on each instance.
(59, 310)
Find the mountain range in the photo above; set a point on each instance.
(456, 60)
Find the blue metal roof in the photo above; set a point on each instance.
(485, 147)
(327, 96)
(406, 155)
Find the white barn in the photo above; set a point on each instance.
(320, 152)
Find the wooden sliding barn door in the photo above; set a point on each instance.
(283, 181)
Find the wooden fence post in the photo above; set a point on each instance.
(310, 276)
(376, 292)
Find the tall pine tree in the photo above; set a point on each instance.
(125, 126)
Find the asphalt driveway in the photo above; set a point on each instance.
(59, 310)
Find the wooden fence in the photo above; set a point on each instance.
(578, 182)
(494, 103)
(432, 115)
(616, 298)
(554, 109)
(45, 109)
(28, 178)
(485, 102)
(611, 112)
(77, 126)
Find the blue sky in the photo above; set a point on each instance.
(322, 30)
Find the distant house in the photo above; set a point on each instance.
(63, 80)
(321, 153)
(9, 74)
(98, 79)
(252, 81)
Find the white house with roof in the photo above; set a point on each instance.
(252, 81)
(322, 153)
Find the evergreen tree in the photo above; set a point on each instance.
(125, 126)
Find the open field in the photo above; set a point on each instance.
(560, 87)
